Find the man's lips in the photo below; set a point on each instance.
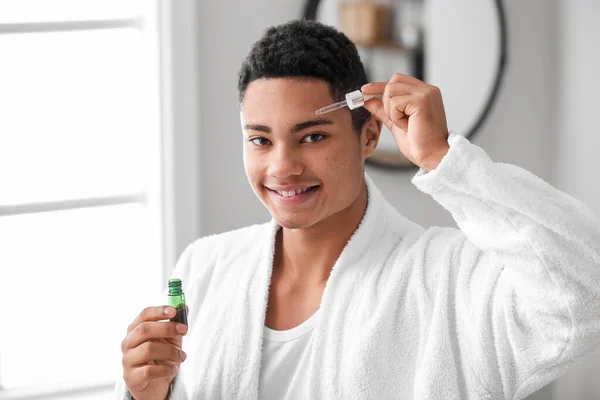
(289, 188)
(299, 194)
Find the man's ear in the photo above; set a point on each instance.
(369, 136)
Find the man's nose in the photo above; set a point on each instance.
(285, 162)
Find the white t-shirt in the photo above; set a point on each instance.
(284, 357)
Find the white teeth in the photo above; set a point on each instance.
(291, 193)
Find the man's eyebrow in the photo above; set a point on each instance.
(297, 128)
(310, 123)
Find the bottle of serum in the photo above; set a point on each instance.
(177, 300)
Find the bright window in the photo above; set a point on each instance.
(80, 213)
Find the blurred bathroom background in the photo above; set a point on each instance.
(120, 143)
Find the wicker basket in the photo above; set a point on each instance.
(365, 22)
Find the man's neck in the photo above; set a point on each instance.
(306, 256)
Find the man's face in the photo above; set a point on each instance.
(288, 148)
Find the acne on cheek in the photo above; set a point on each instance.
(336, 165)
(344, 168)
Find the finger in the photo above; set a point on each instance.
(395, 91)
(168, 341)
(397, 112)
(387, 97)
(398, 106)
(153, 330)
(398, 77)
(373, 88)
(375, 107)
(152, 314)
(402, 89)
(153, 351)
(176, 341)
(141, 376)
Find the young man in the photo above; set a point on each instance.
(342, 297)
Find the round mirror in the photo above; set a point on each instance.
(458, 46)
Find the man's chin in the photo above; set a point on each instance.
(297, 222)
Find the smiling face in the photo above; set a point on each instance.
(303, 167)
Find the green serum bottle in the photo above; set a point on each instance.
(177, 300)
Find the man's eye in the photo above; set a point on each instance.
(260, 141)
(315, 137)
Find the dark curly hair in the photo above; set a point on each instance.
(307, 49)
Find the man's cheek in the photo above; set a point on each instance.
(335, 165)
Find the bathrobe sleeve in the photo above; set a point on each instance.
(527, 295)
(182, 271)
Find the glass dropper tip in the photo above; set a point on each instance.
(332, 107)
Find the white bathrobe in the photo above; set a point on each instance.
(494, 310)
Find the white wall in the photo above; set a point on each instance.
(578, 143)
(577, 104)
(522, 129)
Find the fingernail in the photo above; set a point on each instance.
(181, 328)
(182, 356)
(175, 368)
(168, 310)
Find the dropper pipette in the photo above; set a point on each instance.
(332, 107)
(353, 100)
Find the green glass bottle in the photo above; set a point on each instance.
(177, 300)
